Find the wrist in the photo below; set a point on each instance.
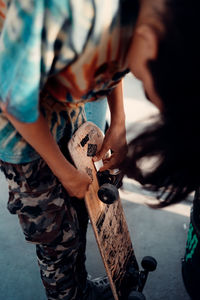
(118, 121)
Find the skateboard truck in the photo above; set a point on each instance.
(109, 182)
(149, 264)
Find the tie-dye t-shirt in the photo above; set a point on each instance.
(54, 56)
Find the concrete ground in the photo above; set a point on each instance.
(160, 233)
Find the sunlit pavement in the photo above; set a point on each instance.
(160, 233)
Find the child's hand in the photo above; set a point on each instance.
(115, 140)
(77, 185)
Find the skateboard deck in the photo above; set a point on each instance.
(108, 221)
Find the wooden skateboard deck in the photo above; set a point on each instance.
(108, 221)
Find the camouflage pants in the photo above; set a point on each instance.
(54, 222)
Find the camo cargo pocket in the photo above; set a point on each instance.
(40, 202)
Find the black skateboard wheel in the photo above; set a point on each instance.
(134, 295)
(149, 263)
(108, 193)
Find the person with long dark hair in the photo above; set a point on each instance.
(165, 56)
(173, 139)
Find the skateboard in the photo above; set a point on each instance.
(107, 218)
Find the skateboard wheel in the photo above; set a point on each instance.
(149, 263)
(108, 193)
(134, 295)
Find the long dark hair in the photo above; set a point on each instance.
(174, 137)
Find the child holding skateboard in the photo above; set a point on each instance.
(54, 57)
